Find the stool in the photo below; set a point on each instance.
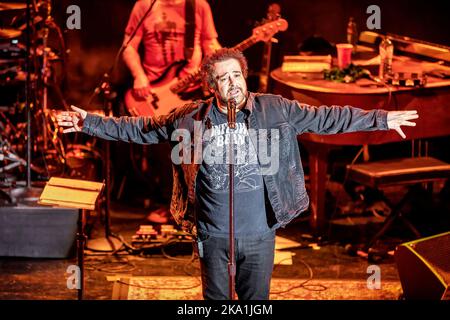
(405, 171)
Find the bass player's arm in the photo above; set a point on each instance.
(133, 61)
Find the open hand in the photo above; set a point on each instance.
(72, 121)
(395, 119)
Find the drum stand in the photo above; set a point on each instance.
(33, 95)
(28, 193)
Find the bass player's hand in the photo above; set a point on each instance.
(141, 87)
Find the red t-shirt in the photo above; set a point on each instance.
(163, 32)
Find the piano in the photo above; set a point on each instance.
(431, 100)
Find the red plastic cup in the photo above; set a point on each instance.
(344, 54)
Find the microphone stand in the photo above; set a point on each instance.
(104, 87)
(108, 242)
(231, 116)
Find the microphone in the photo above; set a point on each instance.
(231, 113)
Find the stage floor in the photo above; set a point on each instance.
(333, 274)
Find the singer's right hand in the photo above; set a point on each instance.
(72, 121)
(141, 87)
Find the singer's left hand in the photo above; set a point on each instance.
(396, 119)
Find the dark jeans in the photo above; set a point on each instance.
(254, 265)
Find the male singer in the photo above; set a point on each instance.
(266, 196)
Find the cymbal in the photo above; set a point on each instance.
(12, 6)
(8, 33)
(8, 62)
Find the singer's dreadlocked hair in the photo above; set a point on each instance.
(207, 67)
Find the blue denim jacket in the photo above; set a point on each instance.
(286, 187)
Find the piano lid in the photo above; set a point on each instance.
(408, 45)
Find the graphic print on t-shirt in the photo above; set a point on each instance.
(216, 146)
(166, 35)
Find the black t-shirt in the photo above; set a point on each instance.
(212, 185)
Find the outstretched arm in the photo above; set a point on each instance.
(337, 119)
(142, 130)
(334, 119)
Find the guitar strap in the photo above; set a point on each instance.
(189, 34)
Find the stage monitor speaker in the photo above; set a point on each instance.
(37, 231)
(424, 267)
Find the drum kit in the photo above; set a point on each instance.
(32, 66)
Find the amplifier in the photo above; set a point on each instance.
(37, 231)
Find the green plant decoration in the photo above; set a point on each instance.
(346, 75)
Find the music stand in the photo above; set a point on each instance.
(73, 193)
